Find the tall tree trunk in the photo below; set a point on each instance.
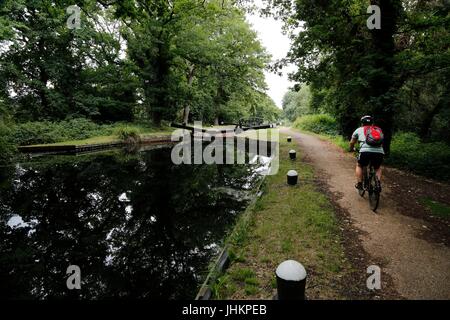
(218, 101)
(190, 79)
(156, 118)
(383, 92)
(186, 111)
(42, 91)
(428, 116)
(162, 70)
(43, 79)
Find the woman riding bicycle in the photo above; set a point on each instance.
(371, 150)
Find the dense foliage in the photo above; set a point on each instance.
(49, 132)
(398, 73)
(140, 60)
(174, 60)
(6, 146)
(41, 132)
(431, 159)
(317, 123)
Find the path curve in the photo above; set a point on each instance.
(419, 269)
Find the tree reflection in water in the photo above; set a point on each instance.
(137, 226)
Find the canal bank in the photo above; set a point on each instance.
(289, 222)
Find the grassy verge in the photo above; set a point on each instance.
(335, 139)
(114, 135)
(93, 140)
(437, 208)
(287, 222)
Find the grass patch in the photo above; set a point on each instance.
(242, 274)
(93, 140)
(437, 208)
(287, 222)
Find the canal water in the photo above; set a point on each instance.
(135, 224)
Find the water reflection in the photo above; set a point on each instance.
(136, 225)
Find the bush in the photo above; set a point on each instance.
(50, 132)
(317, 123)
(428, 159)
(82, 129)
(128, 134)
(7, 149)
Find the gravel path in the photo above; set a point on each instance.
(419, 267)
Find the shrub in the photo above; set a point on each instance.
(7, 149)
(128, 134)
(50, 132)
(317, 123)
(83, 128)
(429, 159)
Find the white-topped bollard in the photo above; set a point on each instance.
(292, 177)
(289, 139)
(292, 154)
(291, 281)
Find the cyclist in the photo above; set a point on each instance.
(370, 151)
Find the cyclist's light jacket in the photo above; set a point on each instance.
(364, 147)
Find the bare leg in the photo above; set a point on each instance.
(359, 173)
(378, 173)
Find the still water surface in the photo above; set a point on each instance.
(136, 225)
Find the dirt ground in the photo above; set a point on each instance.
(409, 245)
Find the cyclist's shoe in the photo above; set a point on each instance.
(359, 186)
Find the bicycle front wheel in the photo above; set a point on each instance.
(362, 191)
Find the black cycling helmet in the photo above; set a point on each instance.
(367, 120)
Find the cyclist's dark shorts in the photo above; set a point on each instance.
(375, 158)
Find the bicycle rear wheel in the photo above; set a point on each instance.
(374, 192)
(362, 191)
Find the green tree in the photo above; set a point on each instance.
(55, 72)
(422, 63)
(336, 51)
(297, 103)
(397, 73)
(178, 47)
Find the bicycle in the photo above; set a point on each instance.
(372, 185)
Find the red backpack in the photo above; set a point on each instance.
(374, 136)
